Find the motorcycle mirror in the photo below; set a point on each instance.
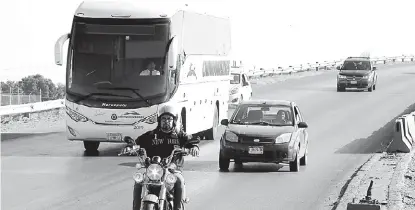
(128, 140)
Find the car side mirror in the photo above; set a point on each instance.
(224, 122)
(374, 68)
(338, 67)
(302, 125)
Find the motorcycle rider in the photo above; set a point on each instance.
(161, 142)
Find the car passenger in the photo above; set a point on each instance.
(282, 118)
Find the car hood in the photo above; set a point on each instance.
(260, 130)
(354, 73)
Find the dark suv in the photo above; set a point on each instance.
(357, 72)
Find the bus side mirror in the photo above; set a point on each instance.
(172, 55)
(58, 48)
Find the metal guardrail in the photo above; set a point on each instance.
(32, 107)
(54, 104)
(322, 66)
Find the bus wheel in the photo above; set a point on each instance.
(91, 146)
(210, 134)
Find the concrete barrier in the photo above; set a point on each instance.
(406, 121)
(411, 125)
(401, 141)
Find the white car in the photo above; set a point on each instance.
(240, 88)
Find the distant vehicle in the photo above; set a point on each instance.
(240, 88)
(357, 72)
(265, 131)
(126, 59)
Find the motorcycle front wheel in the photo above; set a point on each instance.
(149, 206)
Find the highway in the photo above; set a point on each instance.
(49, 172)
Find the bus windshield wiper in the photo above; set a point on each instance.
(83, 97)
(131, 89)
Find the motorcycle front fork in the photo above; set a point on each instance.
(162, 196)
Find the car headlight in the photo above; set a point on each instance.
(365, 77)
(342, 77)
(75, 115)
(283, 138)
(234, 91)
(230, 136)
(139, 175)
(154, 172)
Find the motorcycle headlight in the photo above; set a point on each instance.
(283, 138)
(139, 175)
(154, 172)
(171, 179)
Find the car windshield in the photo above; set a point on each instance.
(356, 65)
(236, 78)
(274, 115)
(113, 56)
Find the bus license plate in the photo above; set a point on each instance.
(114, 136)
(256, 150)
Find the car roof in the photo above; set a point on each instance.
(357, 59)
(268, 102)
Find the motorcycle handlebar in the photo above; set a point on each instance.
(182, 151)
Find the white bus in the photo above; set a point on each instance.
(126, 59)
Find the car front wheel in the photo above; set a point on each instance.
(223, 162)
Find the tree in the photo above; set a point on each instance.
(35, 84)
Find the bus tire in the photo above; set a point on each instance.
(183, 119)
(210, 134)
(91, 146)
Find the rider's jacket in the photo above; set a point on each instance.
(159, 143)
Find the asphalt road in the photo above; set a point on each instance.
(48, 172)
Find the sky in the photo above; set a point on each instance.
(264, 32)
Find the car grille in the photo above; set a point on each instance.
(355, 77)
(250, 139)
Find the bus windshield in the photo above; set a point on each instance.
(118, 56)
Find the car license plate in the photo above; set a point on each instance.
(353, 82)
(114, 136)
(256, 150)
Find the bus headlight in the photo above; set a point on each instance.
(75, 115)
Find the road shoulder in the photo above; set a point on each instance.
(391, 182)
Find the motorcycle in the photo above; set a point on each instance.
(156, 175)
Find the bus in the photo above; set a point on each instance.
(126, 59)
